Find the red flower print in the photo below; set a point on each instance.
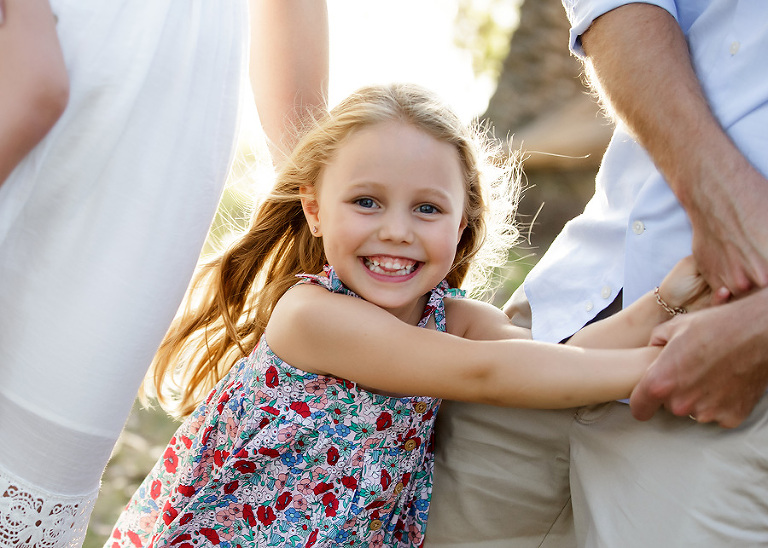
(134, 538)
(426, 416)
(206, 435)
(186, 490)
(265, 421)
(386, 480)
(186, 518)
(186, 441)
(231, 487)
(376, 504)
(222, 400)
(272, 380)
(244, 467)
(331, 504)
(169, 513)
(116, 533)
(333, 456)
(384, 421)
(248, 515)
(269, 452)
(170, 460)
(283, 500)
(271, 410)
(266, 515)
(155, 489)
(301, 408)
(181, 538)
(219, 457)
(322, 487)
(312, 539)
(406, 478)
(350, 482)
(210, 534)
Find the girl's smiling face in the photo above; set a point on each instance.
(390, 210)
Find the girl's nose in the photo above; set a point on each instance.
(396, 227)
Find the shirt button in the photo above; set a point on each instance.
(589, 306)
(399, 488)
(606, 292)
(734, 48)
(638, 227)
(420, 407)
(375, 525)
(410, 445)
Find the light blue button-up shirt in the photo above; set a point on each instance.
(634, 230)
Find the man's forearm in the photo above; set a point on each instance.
(639, 61)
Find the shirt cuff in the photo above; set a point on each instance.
(581, 14)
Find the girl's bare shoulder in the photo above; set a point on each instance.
(479, 320)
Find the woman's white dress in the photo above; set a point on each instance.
(100, 229)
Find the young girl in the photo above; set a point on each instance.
(344, 298)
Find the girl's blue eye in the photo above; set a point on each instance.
(427, 209)
(365, 202)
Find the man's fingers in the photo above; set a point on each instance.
(642, 405)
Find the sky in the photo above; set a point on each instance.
(376, 41)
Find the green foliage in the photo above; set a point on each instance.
(484, 28)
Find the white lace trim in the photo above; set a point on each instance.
(31, 517)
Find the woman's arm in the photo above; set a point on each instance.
(339, 335)
(34, 87)
(289, 66)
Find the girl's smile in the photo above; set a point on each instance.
(390, 209)
(391, 266)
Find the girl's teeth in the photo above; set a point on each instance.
(393, 267)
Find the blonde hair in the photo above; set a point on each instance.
(231, 298)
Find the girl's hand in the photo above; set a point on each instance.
(685, 287)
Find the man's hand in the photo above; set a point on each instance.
(730, 235)
(714, 366)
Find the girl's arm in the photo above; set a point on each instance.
(328, 333)
(34, 87)
(683, 287)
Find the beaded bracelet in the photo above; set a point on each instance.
(663, 304)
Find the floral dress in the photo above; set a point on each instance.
(276, 456)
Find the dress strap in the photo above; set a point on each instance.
(328, 280)
(435, 303)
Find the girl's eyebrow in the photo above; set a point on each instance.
(428, 192)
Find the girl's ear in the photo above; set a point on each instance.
(462, 226)
(311, 209)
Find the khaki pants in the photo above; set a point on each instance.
(505, 478)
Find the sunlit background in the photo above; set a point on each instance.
(505, 61)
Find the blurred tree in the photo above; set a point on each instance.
(484, 27)
(543, 106)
